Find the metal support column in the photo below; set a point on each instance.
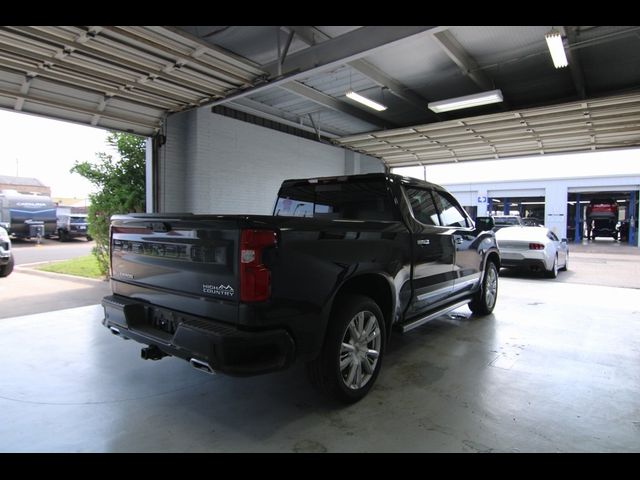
(506, 208)
(149, 162)
(633, 219)
(489, 206)
(577, 220)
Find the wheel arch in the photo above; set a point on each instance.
(492, 256)
(375, 286)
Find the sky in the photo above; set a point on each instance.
(45, 149)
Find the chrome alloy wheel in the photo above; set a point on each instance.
(360, 350)
(491, 287)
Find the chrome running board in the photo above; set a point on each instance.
(405, 327)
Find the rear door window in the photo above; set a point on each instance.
(424, 209)
(345, 200)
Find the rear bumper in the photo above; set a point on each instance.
(524, 263)
(224, 348)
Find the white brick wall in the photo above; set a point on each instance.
(170, 171)
(216, 164)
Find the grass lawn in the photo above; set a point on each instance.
(86, 266)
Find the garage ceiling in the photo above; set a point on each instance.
(130, 78)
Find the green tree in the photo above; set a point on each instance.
(121, 185)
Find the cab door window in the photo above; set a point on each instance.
(424, 210)
(451, 214)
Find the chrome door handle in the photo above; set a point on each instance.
(423, 242)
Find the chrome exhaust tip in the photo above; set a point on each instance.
(202, 366)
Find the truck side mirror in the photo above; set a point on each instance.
(484, 224)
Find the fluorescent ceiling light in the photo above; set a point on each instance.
(484, 98)
(556, 48)
(365, 101)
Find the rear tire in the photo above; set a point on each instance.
(485, 299)
(553, 273)
(7, 269)
(566, 264)
(351, 356)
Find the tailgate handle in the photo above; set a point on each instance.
(423, 242)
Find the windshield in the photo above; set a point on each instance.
(78, 220)
(357, 200)
(506, 221)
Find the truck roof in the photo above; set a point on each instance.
(364, 177)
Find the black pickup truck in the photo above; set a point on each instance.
(342, 262)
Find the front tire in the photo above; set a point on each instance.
(7, 269)
(484, 301)
(351, 356)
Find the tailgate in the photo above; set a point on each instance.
(190, 255)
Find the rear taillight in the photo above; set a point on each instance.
(536, 246)
(255, 278)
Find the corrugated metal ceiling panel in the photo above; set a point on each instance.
(612, 122)
(76, 71)
(489, 44)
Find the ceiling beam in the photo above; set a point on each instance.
(465, 62)
(335, 104)
(574, 61)
(395, 87)
(309, 35)
(460, 57)
(332, 53)
(312, 36)
(345, 48)
(267, 111)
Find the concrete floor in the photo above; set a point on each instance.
(555, 368)
(27, 291)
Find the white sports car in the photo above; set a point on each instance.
(533, 248)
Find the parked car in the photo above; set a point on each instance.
(502, 221)
(6, 257)
(536, 249)
(342, 262)
(532, 222)
(602, 217)
(72, 226)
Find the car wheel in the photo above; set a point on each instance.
(89, 238)
(7, 269)
(553, 273)
(485, 299)
(351, 357)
